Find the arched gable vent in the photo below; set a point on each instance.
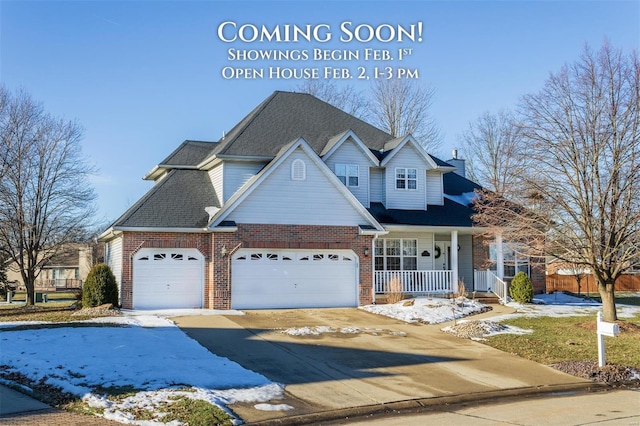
(298, 170)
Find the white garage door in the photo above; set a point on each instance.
(168, 278)
(263, 279)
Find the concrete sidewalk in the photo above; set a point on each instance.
(19, 409)
(620, 407)
(12, 402)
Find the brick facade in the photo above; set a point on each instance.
(286, 237)
(217, 287)
(134, 241)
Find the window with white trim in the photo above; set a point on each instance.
(348, 174)
(298, 170)
(394, 254)
(406, 179)
(514, 262)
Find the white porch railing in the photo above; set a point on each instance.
(413, 282)
(488, 281)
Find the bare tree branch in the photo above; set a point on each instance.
(493, 148)
(347, 98)
(581, 135)
(45, 196)
(402, 107)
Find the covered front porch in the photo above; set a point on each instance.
(430, 261)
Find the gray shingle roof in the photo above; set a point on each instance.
(450, 214)
(189, 153)
(176, 201)
(284, 117)
(454, 184)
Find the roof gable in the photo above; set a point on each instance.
(260, 188)
(336, 142)
(398, 144)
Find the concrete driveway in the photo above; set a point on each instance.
(385, 361)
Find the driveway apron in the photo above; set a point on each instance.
(365, 359)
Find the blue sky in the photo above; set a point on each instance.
(142, 76)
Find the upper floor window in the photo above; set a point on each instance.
(298, 170)
(348, 174)
(406, 178)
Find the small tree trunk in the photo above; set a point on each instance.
(30, 300)
(608, 301)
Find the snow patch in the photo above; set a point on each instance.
(272, 407)
(428, 310)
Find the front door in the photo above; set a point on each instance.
(442, 255)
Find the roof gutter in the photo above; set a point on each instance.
(218, 158)
(109, 234)
(159, 229)
(373, 232)
(433, 228)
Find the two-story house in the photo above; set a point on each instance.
(299, 205)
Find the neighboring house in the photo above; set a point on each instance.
(67, 268)
(299, 205)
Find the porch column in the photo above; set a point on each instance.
(499, 257)
(454, 261)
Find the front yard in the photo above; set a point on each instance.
(140, 367)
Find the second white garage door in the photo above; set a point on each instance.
(263, 279)
(168, 278)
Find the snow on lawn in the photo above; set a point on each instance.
(560, 304)
(142, 351)
(429, 310)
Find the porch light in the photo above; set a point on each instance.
(426, 253)
(366, 252)
(223, 251)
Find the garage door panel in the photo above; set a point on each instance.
(290, 279)
(168, 278)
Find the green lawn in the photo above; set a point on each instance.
(57, 309)
(625, 298)
(556, 340)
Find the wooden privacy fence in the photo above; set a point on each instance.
(557, 282)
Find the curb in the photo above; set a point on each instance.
(434, 404)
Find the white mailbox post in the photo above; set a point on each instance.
(604, 329)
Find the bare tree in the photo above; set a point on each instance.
(4, 154)
(493, 148)
(347, 98)
(582, 136)
(402, 107)
(45, 196)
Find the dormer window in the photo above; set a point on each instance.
(348, 174)
(406, 178)
(298, 170)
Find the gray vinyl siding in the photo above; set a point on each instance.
(113, 258)
(281, 200)
(376, 185)
(434, 188)
(236, 174)
(216, 174)
(349, 154)
(465, 261)
(405, 199)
